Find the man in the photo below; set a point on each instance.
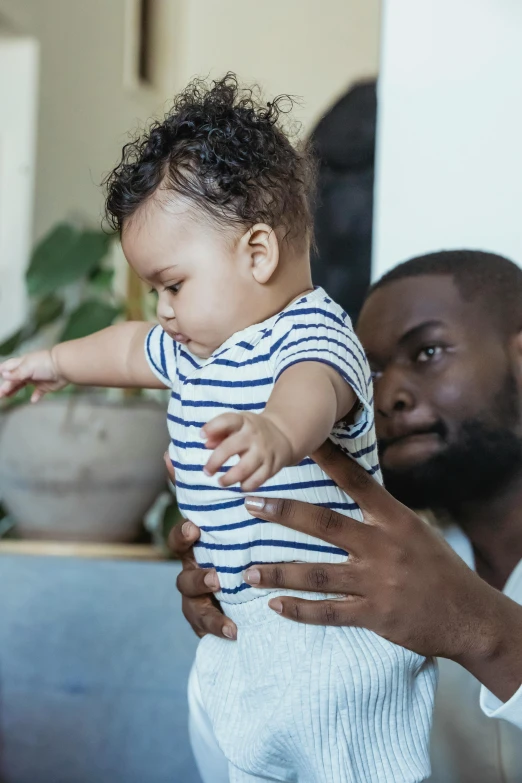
(443, 335)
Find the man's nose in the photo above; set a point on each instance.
(393, 393)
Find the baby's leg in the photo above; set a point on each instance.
(289, 702)
(366, 709)
(238, 776)
(210, 759)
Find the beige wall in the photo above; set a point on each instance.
(84, 112)
(309, 48)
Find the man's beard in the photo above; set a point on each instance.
(482, 458)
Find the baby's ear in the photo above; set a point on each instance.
(263, 249)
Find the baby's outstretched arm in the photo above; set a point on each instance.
(307, 400)
(113, 357)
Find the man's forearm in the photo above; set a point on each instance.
(113, 357)
(494, 655)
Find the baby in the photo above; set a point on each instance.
(213, 207)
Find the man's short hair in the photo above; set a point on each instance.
(476, 274)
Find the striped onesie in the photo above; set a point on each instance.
(287, 701)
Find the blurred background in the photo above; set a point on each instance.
(414, 112)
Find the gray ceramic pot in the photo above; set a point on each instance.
(82, 468)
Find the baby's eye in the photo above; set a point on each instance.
(174, 289)
(428, 353)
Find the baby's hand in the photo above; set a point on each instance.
(261, 445)
(37, 369)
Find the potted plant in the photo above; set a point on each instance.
(79, 465)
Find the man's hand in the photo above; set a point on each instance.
(197, 586)
(37, 369)
(261, 445)
(401, 580)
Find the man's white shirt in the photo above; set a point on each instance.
(467, 745)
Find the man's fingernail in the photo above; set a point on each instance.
(252, 576)
(229, 632)
(211, 580)
(206, 471)
(188, 529)
(276, 605)
(203, 434)
(256, 504)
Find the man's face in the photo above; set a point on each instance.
(446, 398)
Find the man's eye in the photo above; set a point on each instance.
(428, 353)
(174, 289)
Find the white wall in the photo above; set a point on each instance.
(450, 129)
(18, 102)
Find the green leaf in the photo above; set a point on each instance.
(64, 256)
(171, 517)
(89, 317)
(11, 344)
(48, 310)
(20, 398)
(101, 280)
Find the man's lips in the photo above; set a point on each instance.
(412, 445)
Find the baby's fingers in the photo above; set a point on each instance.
(10, 365)
(228, 448)
(8, 388)
(17, 370)
(221, 427)
(256, 480)
(37, 395)
(247, 467)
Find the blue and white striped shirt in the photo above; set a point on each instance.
(240, 376)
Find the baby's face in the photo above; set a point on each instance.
(204, 284)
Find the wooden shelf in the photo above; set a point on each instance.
(95, 551)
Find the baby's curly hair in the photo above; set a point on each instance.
(225, 151)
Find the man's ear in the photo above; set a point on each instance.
(261, 246)
(515, 352)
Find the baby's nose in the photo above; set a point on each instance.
(165, 310)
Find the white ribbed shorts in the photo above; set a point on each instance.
(291, 702)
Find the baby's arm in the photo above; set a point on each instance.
(113, 357)
(307, 400)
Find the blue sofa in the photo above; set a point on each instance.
(94, 659)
